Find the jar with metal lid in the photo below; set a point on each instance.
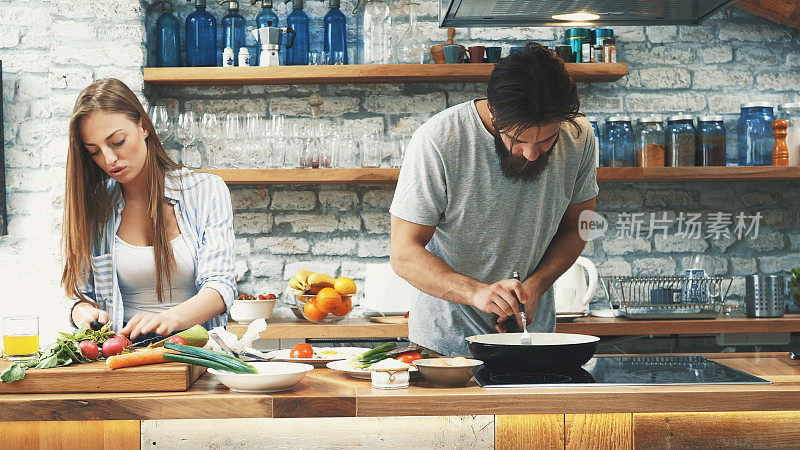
(680, 149)
(593, 120)
(617, 148)
(575, 38)
(711, 140)
(790, 112)
(650, 140)
(754, 133)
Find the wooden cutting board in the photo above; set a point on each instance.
(389, 319)
(96, 377)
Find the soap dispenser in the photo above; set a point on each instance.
(335, 39)
(297, 55)
(267, 16)
(233, 27)
(201, 37)
(167, 35)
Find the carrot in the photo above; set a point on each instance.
(138, 358)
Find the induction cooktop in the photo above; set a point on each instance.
(624, 371)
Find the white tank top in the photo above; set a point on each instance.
(136, 272)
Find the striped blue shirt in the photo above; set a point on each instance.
(203, 208)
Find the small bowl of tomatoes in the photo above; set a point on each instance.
(327, 306)
(247, 308)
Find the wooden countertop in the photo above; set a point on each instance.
(325, 393)
(363, 328)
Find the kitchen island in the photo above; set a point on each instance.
(546, 417)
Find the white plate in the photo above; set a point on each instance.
(363, 374)
(271, 377)
(319, 359)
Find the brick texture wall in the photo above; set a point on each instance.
(52, 49)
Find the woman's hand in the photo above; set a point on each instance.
(84, 313)
(163, 323)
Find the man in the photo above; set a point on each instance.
(489, 187)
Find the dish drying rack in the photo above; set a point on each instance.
(634, 296)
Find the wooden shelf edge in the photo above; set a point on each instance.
(604, 175)
(356, 74)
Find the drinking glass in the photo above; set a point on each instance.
(21, 337)
(370, 147)
(186, 133)
(210, 134)
(233, 141)
(252, 146)
(314, 58)
(159, 116)
(336, 58)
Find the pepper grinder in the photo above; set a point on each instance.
(780, 152)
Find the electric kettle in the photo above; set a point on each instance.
(571, 291)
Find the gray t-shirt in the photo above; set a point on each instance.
(487, 226)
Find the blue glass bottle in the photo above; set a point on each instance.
(201, 37)
(754, 133)
(233, 27)
(297, 55)
(167, 33)
(335, 39)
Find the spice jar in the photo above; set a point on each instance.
(650, 138)
(754, 134)
(790, 112)
(617, 148)
(711, 140)
(680, 140)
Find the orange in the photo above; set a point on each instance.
(312, 312)
(343, 307)
(345, 286)
(328, 299)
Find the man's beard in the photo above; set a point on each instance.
(517, 167)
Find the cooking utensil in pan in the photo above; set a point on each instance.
(525, 337)
(503, 351)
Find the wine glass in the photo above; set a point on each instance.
(210, 135)
(186, 133)
(159, 117)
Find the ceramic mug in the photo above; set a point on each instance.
(493, 54)
(454, 54)
(476, 53)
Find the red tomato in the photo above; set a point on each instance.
(262, 297)
(271, 297)
(89, 349)
(112, 347)
(302, 350)
(408, 357)
(177, 340)
(406, 315)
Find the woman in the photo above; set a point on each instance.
(147, 243)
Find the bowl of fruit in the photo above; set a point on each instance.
(247, 308)
(320, 298)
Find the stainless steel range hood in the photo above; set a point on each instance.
(518, 13)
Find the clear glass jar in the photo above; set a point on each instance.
(790, 112)
(711, 140)
(376, 32)
(617, 149)
(680, 140)
(593, 120)
(650, 140)
(412, 47)
(754, 133)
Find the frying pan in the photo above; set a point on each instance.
(503, 351)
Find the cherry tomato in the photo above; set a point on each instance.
(112, 347)
(177, 340)
(271, 297)
(408, 357)
(406, 315)
(262, 297)
(302, 350)
(89, 349)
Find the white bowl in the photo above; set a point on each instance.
(250, 310)
(271, 377)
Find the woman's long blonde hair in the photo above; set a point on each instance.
(86, 201)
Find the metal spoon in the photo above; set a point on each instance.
(525, 337)
(230, 351)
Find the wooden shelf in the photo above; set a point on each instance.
(604, 175)
(356, 74)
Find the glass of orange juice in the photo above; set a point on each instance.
(21, 337)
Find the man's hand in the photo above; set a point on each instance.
(533, 289)
(142, 323)
(500, 298)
